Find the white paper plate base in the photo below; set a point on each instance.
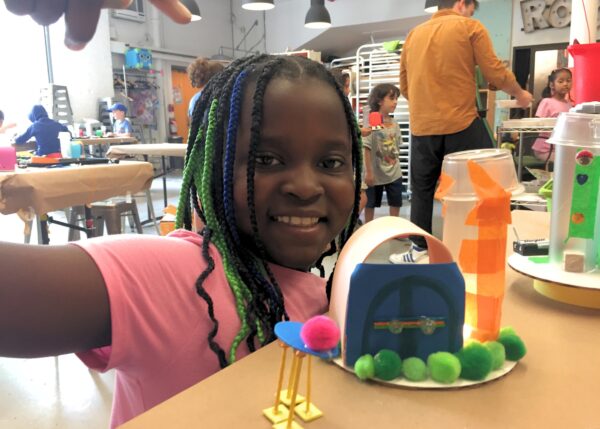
(430, 384)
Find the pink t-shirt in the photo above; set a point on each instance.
(548, 108)
(160, 324)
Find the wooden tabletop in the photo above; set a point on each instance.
(48, 189)
(106, 140)
(150, 149)
(556, 385)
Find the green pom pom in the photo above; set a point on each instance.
(514, 346)
(507, 330)
(364, 367)
(498, 354)
(414, 369)
(475, 361)
(388, 365)
(444, 367)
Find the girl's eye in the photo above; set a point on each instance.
(332, 163)
(266, 160)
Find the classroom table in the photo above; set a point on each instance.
(102, 142)
(150, 149)
(556, 385)
(43, 189)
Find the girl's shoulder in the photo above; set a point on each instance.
(550, 107)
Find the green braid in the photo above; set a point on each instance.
(204, 183)
(188, 175)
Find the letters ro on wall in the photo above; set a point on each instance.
(541, 14)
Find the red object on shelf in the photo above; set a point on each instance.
(586, 85)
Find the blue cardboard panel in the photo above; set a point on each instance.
(413, 309)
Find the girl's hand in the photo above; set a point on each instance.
(365, 132)
(81, 16)
(369, 180)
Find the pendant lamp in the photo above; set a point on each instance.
(257, 4)
(431, 6)
(317, 16)
(192, 6)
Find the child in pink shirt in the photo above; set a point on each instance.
(556, 100)
(275, 161)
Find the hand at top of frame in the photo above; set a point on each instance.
(81, 16)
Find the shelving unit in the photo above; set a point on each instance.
(55, 99)
(522, 131)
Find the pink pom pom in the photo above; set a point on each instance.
(320, 333)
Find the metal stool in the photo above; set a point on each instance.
(112, 212)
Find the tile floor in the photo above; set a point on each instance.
(61, 392)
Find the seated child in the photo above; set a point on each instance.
(121, 126)
(45, 131)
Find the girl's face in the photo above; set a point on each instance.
(562, 83)
(388, 104)
(303, 184)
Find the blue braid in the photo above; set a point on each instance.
(229, 160)
(234, 114)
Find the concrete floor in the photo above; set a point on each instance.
(61, 392)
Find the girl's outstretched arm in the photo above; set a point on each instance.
(52, 301)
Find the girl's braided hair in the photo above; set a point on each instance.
(208, 190)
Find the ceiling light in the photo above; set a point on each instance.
(317, 16)
(257, 4)
(431, 6)
(192, 6)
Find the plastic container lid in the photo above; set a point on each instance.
(578, 129)
(498, 163)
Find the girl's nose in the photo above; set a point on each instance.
(303, 182)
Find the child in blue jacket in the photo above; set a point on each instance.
(45, 131)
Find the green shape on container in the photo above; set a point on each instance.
(582, 220)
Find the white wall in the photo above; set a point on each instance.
(87, 73)
(223, 25)
(285, 23)
(23, 69)
(200, 38)
(243, 21)
(538, 37)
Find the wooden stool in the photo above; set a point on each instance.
(112, 212)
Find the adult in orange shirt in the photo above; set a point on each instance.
(437, 77)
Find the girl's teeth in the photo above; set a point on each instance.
(298, 221)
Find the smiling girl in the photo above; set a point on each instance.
(275, 159)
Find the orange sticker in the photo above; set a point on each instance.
(494, 201)
(577, 218)
(445, 183)
(482, 256)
